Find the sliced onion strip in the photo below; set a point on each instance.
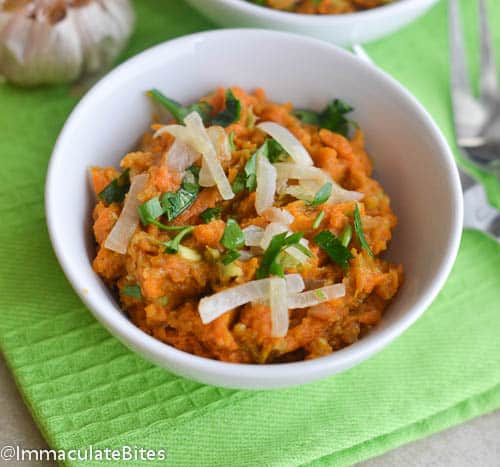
(210, 308)
(289, 142)
(203, 144)
(266, 184)
(121, 233)
(180, 156)
(253, 235)
(278, 302)
(317, 296)
(281, 216)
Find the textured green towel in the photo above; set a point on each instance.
(83, 387)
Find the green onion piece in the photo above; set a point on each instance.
(231, 113)
(333, 247)
(270, 260)
(178, 111)
(345, 237)
(163, 301)
(233, 237)
(209, 214)
(232, 144)
(358, 227)
(133, 291)
(116, 190)
(323, 195)
(229, 256)
(318, 220)
(172, 246)
(239, 183)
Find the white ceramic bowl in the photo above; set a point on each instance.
(345, 30)
(412, 160)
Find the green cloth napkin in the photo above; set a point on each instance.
(85, 388)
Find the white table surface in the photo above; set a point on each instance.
(476, 443)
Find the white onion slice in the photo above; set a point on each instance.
(245, 255)
(289, 142)
(278, 302)
(341, 195)
(220, 141)
(288, 170)
(121, 233)
(180, 156)
(203, 144)
(281, 216)
(266, 184)
(315, 297)
(253, 235)
(272, 229)
(210, 308)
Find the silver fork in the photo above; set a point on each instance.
(477, 121)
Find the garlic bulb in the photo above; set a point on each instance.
(55, 41)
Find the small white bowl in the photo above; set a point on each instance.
(413, 162)
(345, 29)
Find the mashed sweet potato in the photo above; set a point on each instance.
(159, 283)
(321, 7)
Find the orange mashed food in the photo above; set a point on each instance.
(322, 7)
(172, 285)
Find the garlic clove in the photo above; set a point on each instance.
(53, 41)
(101, 35)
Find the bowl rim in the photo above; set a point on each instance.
(250, 375)
(260, 11)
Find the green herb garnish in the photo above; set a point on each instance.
(239, 183)
(322, 195)
(248, 177)
(172, 246)
(150, 211)
(318, 219)
(180, 112)
(270, 261)
(231, 113)
(229, 256)
(116, 190)
(232, 144)
(333, 247)
(345, 237)
(233, 237)
(209, 214)
(175, 203)
(133, 291)
(358, 227)
(332, 117)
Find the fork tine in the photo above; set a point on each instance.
(459, 75)
(488, 84)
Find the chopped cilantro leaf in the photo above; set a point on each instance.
(133, 291)
(115, 191)
(229, 257)
(209, 214)
(175, 203)
(233, 236)
(231, 113)
(333, 247)
(332, 117)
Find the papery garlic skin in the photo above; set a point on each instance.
(34, 50)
